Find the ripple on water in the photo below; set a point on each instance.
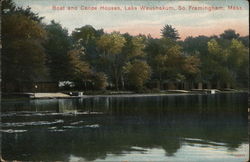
(36, 123)
(13, 131)
(46, 113)
(57, 130)
(200, 141)
(93, 126)
(76, 123)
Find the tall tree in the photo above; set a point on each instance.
(217, 58)
(23, 57)
(80, 68)
(170, 32)
(57, 45)
(9, 8)
(137, 73)
(237, 61)
(166, 59)
(230, 34)
(87, 36)
(191, 68)
(132, 50)
(196, 46)
(111, 48)
(245, 40)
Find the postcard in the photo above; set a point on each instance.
(116, 80)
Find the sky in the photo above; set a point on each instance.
(188, 22)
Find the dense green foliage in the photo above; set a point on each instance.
(23, 56)
(137, 73)
(57, 44)
(92, 59)
(169, 32)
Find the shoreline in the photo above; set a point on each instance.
(61, 95)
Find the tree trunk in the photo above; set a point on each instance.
(116, 83)
(122, 82)
(218, 85)
(160, 82)
(116, 77)
(200, 85)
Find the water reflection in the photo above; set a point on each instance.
(116, 128)
(230, 102)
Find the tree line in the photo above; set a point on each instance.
(93, 59)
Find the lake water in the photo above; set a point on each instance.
(180, 128)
